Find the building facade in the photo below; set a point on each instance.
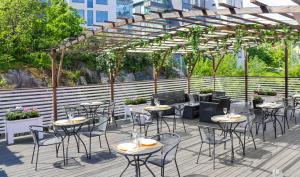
(96, 12)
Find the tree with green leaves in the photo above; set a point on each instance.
(29, 27)
(159, 59)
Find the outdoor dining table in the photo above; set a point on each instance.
(228, 124)
(137, 153)
(156, 111)
(271, 110)
(71, 127)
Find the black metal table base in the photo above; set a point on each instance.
(73, 132)
(137, 162)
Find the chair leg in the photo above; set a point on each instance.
(162, 172)
(107, 143)
(37, 157)
(63, 146)
(56, 150)
(174, 123)
(177, 167)
(252, 139)
(199, 152)
(33, 153)
(90, 147)
(183, 125)
(263, 133)
(209, 150)
(214, 154)
(146, 131)
(100, 142)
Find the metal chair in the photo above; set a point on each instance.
(208, 136)
(97, 130)
(109, 108)
(168, 152)
(139, 119)
(52, 138)
(247, 128)
(178, 113)
(261, 118)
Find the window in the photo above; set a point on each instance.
(90, 18)
(78, 1)
(101, 2)
(101, 16)
(81, 13)
(90, 3)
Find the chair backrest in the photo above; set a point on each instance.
(35, 130)
(77, 111)
(207, 134)
(101, 125)
(170, 142)
(259, 114)
(179, 108)
(139, 118)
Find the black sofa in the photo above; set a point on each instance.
(170, 98)
(209, 109)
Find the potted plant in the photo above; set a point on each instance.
(206, 90)
(133, 103)
(257, 100)
(19, 119)
(266, 94)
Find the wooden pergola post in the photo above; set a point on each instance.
(112, 84)
(214, 74)
(155, 80)
(246, 75)
(54, 84)
(286, 72)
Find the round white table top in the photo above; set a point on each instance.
(229, 118)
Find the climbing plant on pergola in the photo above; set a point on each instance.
(199, 32)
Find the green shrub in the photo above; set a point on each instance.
(136, 101)
(22, 113)
(268, 92)
(3, 84)
(206, 90)
(258, 99)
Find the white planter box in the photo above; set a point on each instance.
(21, 126)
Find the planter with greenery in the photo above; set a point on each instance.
(257, 100)
(131, 104)
(19, 119)
(206, 90)
(265, 92)
(135, 101)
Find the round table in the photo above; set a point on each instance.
(155, 112)
(71, 127)
(271, 110)
(133, 156)
(228, 123)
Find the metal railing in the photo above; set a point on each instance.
(42, 98)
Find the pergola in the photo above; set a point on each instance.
(152, 26)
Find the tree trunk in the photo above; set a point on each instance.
(189, 84)
(155, 78)
(54, 84)
(60, 66)
(112, 84)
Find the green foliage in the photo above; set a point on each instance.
(3, 83)
(268, 92)
(25, 113)
(31, 26)
(258, 99)
(206, 90)
(136, 62)
(136, 101)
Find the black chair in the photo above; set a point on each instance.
(140, 119)
(97, 130)
(178, 113)
(52, 138)
(208, 136)
(261, 118)
(247, 129)
(110, 111)
(168, 152)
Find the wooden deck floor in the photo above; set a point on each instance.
(283, 153)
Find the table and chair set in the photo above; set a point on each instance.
(159, 149)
